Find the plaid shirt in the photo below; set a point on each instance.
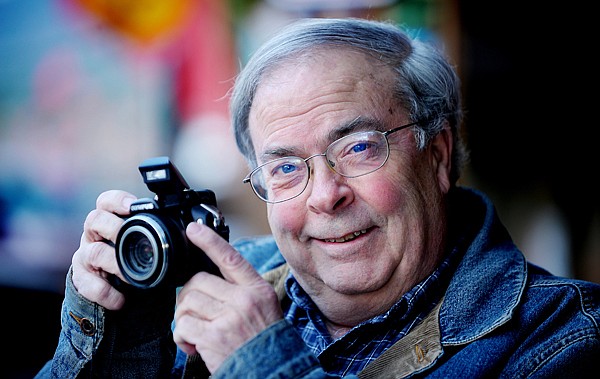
(368, 340)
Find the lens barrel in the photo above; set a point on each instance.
(143, 248)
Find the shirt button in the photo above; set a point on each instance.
(87, 327)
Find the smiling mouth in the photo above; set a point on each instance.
(347, 237)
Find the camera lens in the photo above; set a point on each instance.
(142, 250)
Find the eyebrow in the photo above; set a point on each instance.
(360, 123)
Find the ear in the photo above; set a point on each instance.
(441, 153)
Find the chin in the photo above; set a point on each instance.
(351, 283)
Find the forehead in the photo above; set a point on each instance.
(304, 98)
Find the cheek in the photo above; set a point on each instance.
(402, 183)
(285, 218)
(384, 193)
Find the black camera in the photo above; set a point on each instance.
(151, 247)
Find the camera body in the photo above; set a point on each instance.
(151, 247)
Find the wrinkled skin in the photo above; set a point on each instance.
(300, 109)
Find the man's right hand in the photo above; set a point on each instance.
(95, 259)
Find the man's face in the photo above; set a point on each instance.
(371, 237)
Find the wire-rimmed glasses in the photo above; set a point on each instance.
(351, 156)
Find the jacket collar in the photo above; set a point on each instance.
(490, 279)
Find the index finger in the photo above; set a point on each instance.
(233, 266)
(115, 201)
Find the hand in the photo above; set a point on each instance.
(214, 315)
(95, 259)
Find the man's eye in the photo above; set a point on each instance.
(283, 169)
(287, 168)
(360, 147)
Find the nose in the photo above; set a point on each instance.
(327, 190)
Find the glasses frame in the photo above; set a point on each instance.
(248, 178)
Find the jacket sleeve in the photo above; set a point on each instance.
(135, 341)
(277, 352)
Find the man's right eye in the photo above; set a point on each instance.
(283, 169)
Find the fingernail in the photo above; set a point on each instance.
(127, 200)
(193, 227)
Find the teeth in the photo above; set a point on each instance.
(347, 237)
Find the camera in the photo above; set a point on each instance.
(151, 247)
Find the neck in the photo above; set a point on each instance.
(337, 331)
(343, 312)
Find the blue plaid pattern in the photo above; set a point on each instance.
(365, 342)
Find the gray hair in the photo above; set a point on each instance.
(427, 86)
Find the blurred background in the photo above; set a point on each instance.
(90, 88)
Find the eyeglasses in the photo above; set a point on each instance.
(351, 156)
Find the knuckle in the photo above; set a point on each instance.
(184, 323)
(91, 219)
(232, 259)
(196, 280)
(96, 251)
(112, 200)
(76, 258)
(103, 198)
(246, 304)
(269, 294)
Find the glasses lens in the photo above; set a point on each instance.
(358, 153)
(280, 179)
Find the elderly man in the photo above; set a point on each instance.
(379, 263)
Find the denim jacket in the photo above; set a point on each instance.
(500, 317)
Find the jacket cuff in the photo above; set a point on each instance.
(82, 321)
(144, 317)
(276, 352)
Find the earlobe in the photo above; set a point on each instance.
(441, 148)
